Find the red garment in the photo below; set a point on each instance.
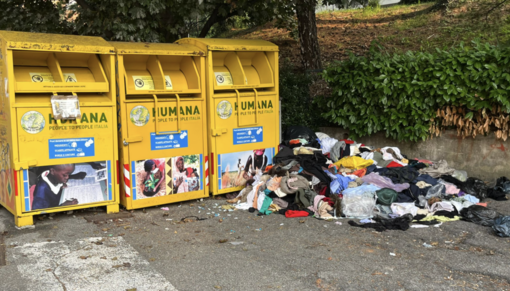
(394, 164)
(347, 141)
(295, 213)
(294, 141)
(360, 173)
(323, 191)
(329, 201)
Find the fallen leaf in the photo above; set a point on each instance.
(114, 259)
(221, 220)
(84, 257)
(223, 241)
(152, 259)
(103, 258)
(217, 287)
(376, 273)
(434, 243)
(165, 214)
(330, 259)
(105, 229)
(302, 221)
(132, 289)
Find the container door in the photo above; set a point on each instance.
(245, 129)
(167, 164)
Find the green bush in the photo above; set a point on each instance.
(297, 106)
(400, 94)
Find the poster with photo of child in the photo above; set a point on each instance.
(185, 174)
(67, 184)
(150, 178)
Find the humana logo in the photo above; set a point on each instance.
(169, 111)
(263, 104)
(85, 118)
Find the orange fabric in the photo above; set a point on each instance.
(294, 141)
(360, 173)
(482, 204)
(268, 168)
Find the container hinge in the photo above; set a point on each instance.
(132, 139)
(218, 131)
(24, 165)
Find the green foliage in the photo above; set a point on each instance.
(400, 94)
(297, 106)
(33, 16)
(137, 20)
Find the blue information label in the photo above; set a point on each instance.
(169, 141)
(248, 135)
(71, 148)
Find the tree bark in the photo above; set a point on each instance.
(307, 27)
(215, 18)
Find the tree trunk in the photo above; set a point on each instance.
(307, 27)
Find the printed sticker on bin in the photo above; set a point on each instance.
(223, 79)
(248, 135)
(169, 141)
(71, 148)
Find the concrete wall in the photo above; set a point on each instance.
(483, 157)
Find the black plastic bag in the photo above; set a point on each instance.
(479, 215)
(502, 226)
(501, 189)
(503, 185)
(300, 132)
(476, 187)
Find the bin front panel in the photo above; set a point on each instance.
(166, 165)
(70, 164)
(244, 143)
(44, 142)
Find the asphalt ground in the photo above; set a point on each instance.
(153, 249)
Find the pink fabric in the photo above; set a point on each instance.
(451, 189)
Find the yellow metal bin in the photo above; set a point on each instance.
(243, 108)
(57, 124)
(162, 132)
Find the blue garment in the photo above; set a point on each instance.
(341, 183)
(471, 198)
(44, 197)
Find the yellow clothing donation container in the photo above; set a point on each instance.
(243, 109)
(57, 124)
(162, 123)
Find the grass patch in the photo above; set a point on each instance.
(414, 22)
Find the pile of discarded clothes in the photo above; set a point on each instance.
(317, 175)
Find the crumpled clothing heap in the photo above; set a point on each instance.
(302, 180)
(438, 169)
